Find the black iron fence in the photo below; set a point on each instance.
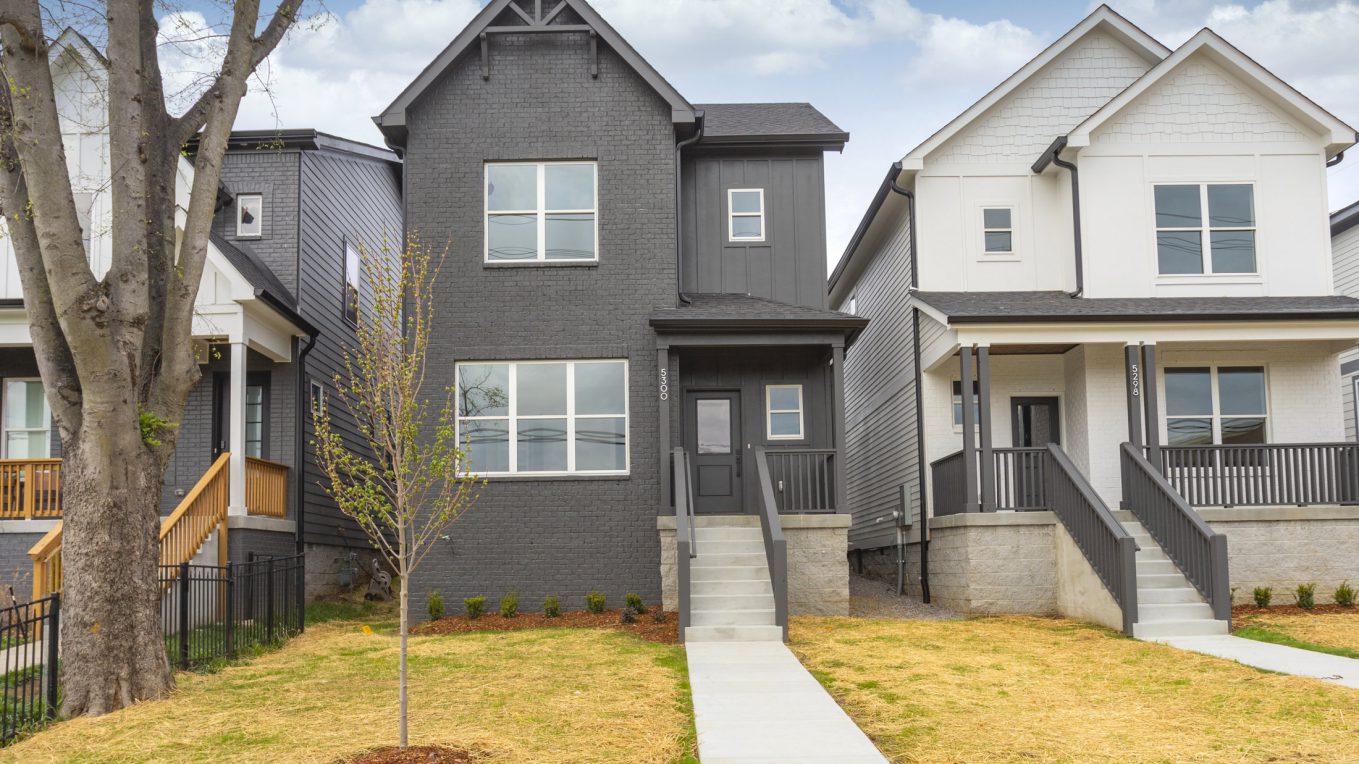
(210, 612)
(28, 657)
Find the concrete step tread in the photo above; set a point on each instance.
(733, 634)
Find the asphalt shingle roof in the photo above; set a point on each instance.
(253, 269)
(731, 312)
(1032, 307)
(753, 120)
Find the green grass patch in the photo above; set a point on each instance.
(1261, 634)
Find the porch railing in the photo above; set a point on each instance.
(266, 487)
(1020, 480)
(1279, 474)
(775, 546)
(803, 480)
(30, 488)
(1198, 550)
(685, 538)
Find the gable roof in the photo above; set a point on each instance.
(72, 40)
(1102, 18)
(1336, 134)
(1344, 219)
(788, 123)
(392, 120)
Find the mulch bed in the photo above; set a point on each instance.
(1245, 610)
(666, 633)
(415, 754)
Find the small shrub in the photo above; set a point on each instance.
(552, 606)
(1307, 596)
(634, 601)
(1263, 596)
(594, 602)
(435, 606)
(475, 607)
(658, 616)
(509, 605)
(628, 615)
(1344, 595)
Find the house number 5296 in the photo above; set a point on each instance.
(665, 384)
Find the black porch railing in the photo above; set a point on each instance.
(28, 658)
(210, 612)
(803, 480)
(1278, 474)
(1020, 480)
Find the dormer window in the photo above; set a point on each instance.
(998, 230)
(249, 216)
(745, 214)
(540, 212)
(1183, 238)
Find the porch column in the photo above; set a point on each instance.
(970, 499)
(1133, 370)
(838, 415)
(988, 460)
(236, 431)
(1151, 406)
(663, 387)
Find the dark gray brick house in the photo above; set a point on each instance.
(573, 186)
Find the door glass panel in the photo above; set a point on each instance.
(254, 421)
(714, 426)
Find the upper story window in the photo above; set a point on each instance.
(1215, 404)
(745, 214)
(783, 412)
(27, 420)
(541, 212)
(351, 284)
(249, 215)
(1224, 242)
(544, 417)
(998, 230)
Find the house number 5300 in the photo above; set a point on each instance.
(665, 384)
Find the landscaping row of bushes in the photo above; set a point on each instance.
(1305, 595)
(475, 607)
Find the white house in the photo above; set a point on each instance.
(1119, 244)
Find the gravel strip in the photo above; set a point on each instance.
(869, 598)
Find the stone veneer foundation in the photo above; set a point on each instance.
(1281, 547)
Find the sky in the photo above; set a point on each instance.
(890, 72)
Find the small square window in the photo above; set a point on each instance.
(998, 231)
(745, 214)
(249, 215)
(783, 412)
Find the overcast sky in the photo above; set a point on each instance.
(888, 71)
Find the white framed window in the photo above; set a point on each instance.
(27, 420)
(1190, 243)
(745, 214)
(783, 412)
(249, 215)
(958, 404)
(541, 212)
(318, 397)
(998, 231)
(351, 284)
(1208, 405)
(544, 417)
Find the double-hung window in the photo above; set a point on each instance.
(541, 212)
(998, 231)
(27, 420)
(1223, 242)
(544, 417)
(783, 412)
(1215, 404)
(745, 214)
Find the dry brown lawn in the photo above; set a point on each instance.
(528, 696)
(1047, 690)
(1334, 629)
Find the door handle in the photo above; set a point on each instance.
(738, 464)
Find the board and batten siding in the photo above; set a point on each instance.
(880, 410)
(790, 264)
(1345, 254)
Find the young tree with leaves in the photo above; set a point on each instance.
(114, 352)
(410, 479)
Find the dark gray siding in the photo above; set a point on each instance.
(272, 173)
(880, 411)
(542, 536)
(790, 264)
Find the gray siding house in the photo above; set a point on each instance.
(1345, 251)
(634, 320)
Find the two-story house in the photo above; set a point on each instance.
(1101, 367)
(273, 307)
(633, 313)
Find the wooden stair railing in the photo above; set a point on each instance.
(202, 510)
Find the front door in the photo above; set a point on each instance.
(256, 413)
(712, 426)
(1035, 422)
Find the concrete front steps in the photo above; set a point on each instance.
(731, 598)
(1168, 605)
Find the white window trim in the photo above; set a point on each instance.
(241, 233)
(770, 411)
(732, 215)
(1013, 252)
(5, 429)
(512, 416)
(318, 397)
(1217, 416)
(540, 213)
(1206, 236)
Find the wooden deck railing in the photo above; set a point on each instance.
(30, 488)
(266, 487)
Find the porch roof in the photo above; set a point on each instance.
(267, 285)
(710, 312)
(1061, 307)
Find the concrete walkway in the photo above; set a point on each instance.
(1285, 660)
(753, 702)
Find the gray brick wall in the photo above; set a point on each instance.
(16, 568)
(550, 536)
(242, 542)
(272, 173)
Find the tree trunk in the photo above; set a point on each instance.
(112, 651)
(405, 627)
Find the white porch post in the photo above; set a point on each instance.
(236, 431)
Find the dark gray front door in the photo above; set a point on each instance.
(712, 426)
(1035, 422)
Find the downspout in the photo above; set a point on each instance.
(679, 209)
(1338, 158)
(1053, 155)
